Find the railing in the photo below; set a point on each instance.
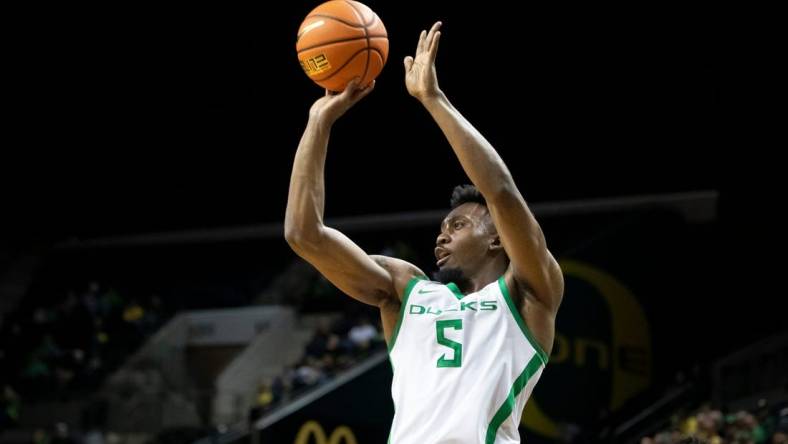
(759, 371)
(654, 417)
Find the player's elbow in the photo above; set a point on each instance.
(300, 238)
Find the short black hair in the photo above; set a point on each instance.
(464, 194)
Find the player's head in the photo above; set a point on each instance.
(468, 240)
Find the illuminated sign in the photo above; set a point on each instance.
(310, 429)
(604, 349)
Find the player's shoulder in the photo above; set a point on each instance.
(401, 268)
(402, 272)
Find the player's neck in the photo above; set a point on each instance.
(490, 272)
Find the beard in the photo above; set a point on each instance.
(452, 274)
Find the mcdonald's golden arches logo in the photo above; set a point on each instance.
(340, 435)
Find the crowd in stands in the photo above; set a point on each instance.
(64, 349)
(710, 426)
(333, 349)
(68, 334)
(61, 345)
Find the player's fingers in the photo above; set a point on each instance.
(408, 63)
(366, 90)
(351, 87)
(431, 35)
(434, 46)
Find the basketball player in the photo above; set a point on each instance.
(468, 346)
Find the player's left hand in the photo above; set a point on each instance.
(420, 77)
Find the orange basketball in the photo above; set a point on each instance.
(340, 40)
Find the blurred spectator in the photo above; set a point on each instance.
(319, 343)
(62, 435)
(264, 396)
(11, 406)
(309, 373)
(133, 312)
(330, 351)
(363, 334)
(712, 427)
(263, 402)
(93, 436)
(40, 436)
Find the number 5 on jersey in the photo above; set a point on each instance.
(440, 326)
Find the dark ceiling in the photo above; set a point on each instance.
(151, 119)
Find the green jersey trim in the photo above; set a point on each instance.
(455, 289)
(520, 322)
(411, 283)
(507, 408)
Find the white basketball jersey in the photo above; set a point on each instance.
(464, 366)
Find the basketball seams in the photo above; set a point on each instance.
(360, 17)
(382, 58)
(349, 39)
(343, 21)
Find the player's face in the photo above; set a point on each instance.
(464, 239)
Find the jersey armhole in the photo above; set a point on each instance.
(520, 321)
(406, 294)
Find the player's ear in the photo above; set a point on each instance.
(495, 242)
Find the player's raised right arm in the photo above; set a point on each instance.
(338, 258)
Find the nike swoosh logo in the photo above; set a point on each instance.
(422, 291)
(310, 27)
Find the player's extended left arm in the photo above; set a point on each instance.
(532, 263)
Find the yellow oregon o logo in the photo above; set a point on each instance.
(340, 435)
(630, 330)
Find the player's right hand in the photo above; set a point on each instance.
(332, 106)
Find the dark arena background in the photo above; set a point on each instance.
(147, 294)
